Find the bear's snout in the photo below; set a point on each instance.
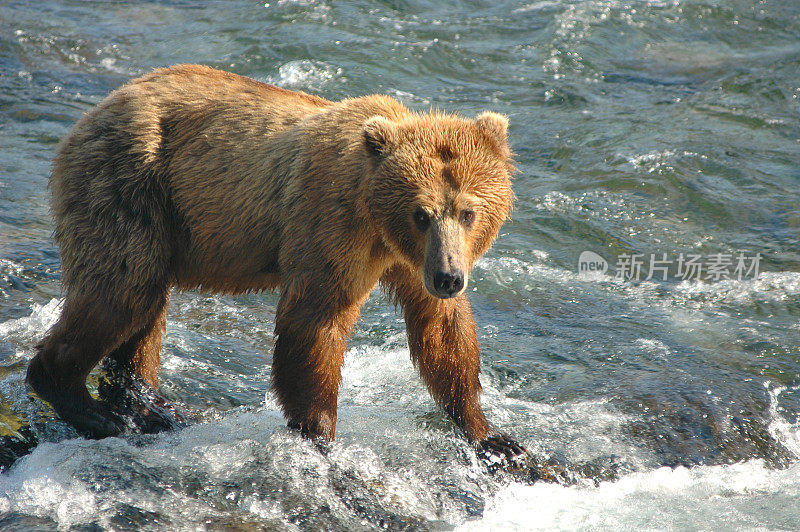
(448, 284)
(445, 258)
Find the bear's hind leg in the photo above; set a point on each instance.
(90, 327)
(141, 353)
(57, 373)
(130, 384)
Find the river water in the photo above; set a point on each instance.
(640, 127)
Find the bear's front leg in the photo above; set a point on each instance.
(444, 347)
(312, 329)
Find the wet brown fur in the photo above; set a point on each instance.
(191, 177)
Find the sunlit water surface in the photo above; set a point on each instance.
(639, 127)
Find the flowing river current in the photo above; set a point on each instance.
(658, 375)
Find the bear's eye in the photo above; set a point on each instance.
(467, 217)
(421, 220)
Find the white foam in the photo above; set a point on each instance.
(407, 97)
(247, 458)
(536, 6)
(770, 286)
(784, 432)
(706, 498)
(378, 376)
(747, 495)
(35, 325)
(69, 503)
(305, 74)
(37, 487)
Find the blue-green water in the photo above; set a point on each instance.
(640, 127)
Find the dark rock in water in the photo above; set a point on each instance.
(690, 428)
(551, 468)
(19, 522)
(555, 468)
(12, 448)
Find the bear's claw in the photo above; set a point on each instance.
(500, 451)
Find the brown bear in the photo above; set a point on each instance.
(192, 177)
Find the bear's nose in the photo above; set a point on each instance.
(448, 284)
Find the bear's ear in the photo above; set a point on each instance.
(494, 125)
(380, 134)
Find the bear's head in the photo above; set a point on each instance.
(440, 190)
